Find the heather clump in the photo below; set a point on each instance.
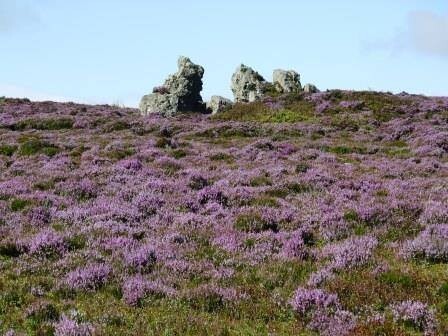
(416, 314)
(431, 244)
(90, 277)
(67, 326)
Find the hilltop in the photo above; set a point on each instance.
(297, 213)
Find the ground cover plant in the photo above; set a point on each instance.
(302, 214)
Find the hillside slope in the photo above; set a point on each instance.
(307, 214)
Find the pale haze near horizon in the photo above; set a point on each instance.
(116, 51)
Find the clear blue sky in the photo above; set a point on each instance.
(110, 51)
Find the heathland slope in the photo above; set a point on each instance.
(323, 213)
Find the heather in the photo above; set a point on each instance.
(305, 213)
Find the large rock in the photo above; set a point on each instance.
(218, 104)
(286, 81)
(310, 88)
(181, 91)
(248, 85)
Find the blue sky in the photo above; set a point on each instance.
(110, 51)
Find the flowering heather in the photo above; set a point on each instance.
(68, 327)
(90, 277)
(136, 288)
(340, 323)
(351, 252)
(431, 244)
(305, 213)
(305, 300)
(416, 313)
(47, 243)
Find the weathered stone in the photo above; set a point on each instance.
(248, 85)
(181, 92)
(286, 81)
(218, 104)
(310, 88)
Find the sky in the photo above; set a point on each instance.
(115, 51)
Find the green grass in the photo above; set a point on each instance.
(7, 150)
(50, 124)
(179, 153)
(32, 146)
(120, 153)
(18, 204)
(294, 111)
(253, 222)
(222, 157)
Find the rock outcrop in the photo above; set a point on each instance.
(181, 91)
(248, 85)
(218, 104)
(310, 88)
(286, 81)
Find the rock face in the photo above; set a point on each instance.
(310, 88)
(218, 104)
(286, 81)
(247, 85)
(181, 91)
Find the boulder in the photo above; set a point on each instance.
(181, 91)
(310, 88)
(286, 81)
(248, 85)
(218, 104)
